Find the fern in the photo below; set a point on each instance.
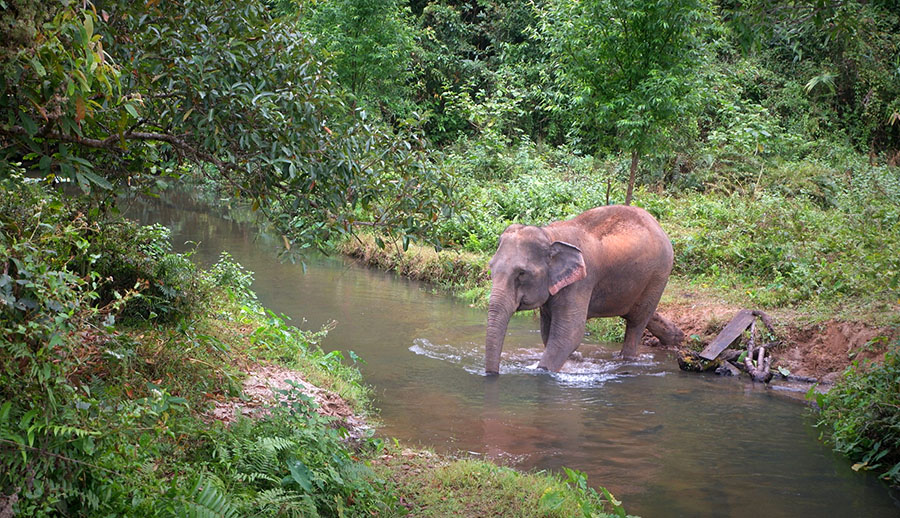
(62, 430)
(285, 502)
(208, 502)
(275, 444)
(254, 477)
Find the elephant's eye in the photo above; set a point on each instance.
(524, 274)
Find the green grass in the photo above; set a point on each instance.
(436, 486)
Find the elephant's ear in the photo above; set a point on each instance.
(566, 266)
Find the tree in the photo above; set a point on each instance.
(117, 95)
(371, 42)
(845, 52)
(630, 65)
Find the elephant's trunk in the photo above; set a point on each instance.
(500, 309)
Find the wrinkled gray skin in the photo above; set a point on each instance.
(609, 261)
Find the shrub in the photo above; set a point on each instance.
(861, 416)
(293, 462)
(99, 418)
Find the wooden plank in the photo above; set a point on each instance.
(732, 331)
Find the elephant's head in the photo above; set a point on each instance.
(527, 269)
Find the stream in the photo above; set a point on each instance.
(667, 443)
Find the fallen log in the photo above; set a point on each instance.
(760, 369)
(716, 356)
(666, 331)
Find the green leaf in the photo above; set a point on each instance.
(98, 180)
(88, 25)
(38, 67)
(300, 474)
(28, 123)
(45, 164)
(551, 499)
(131, 110)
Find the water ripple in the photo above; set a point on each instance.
(591, 368)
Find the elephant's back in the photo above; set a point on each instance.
(613, 219)
(631, 230)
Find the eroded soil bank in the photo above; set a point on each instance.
(265, 386)
(820, 350)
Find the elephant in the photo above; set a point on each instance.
(608, 261)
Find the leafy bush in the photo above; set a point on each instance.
(60, 431)
(101, 415)
(291, 462)
(861, 416)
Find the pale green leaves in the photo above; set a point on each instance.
(632, 62)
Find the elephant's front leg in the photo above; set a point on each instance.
(565, 334)
(545, 324)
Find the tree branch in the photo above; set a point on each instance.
(56, 455)
(111, 141)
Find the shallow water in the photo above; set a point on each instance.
(668, 443)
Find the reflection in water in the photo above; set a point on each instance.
(668, 443)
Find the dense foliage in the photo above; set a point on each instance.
(111, 349)
(774, 79)
(117, 95)
(861, 416)
(631, 67)
(797, 237)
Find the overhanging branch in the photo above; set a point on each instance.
(112, 141)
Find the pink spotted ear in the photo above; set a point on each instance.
(566, 266)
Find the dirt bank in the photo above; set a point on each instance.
(262, 386)
(822, 350)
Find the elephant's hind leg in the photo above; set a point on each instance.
(636, 320)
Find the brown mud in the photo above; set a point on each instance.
(815, 350)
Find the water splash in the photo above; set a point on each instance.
(590, 367)
(443, 352)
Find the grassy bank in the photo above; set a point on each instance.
(434, 486)
(116, 356)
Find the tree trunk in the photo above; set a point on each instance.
(634, 165)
